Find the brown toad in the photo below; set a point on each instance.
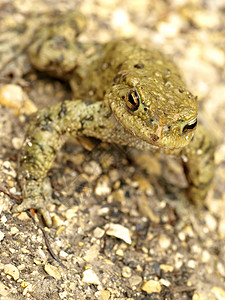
(131, 95)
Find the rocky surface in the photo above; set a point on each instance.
(123, 228)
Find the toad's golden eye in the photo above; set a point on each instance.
(190, 126)
(133, 100)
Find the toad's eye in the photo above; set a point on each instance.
(190, 126)
(133, 100)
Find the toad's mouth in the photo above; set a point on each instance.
(176, 136)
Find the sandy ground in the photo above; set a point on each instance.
(123, 228)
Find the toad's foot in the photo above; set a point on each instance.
(198, 161)
(36, 195)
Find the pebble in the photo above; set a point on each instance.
(215, 55)
(118, 196)
(63, 254)
(119, 232)
(3, 219)
(24, 284)
(171, 27)
(145, 210)
(221, 268)
(11, 270)
(135, 280)
(71, 213)
(218, 292)
(17, 142)
(98, 232)
(221, 228)
(205, 19)
(52, 271)
(12, 250)
(1, 235)
(89, 276)
(37, 262)
(144, 184)
(151, 286)
(120, 252)
(147, 162)
(126, 272)
(164, 241)
(13, 96)
(92, 253)
(14, 230)
(21, 267)
(23, 216)
(57, 221)
(205, 256)
(8, 169)
(104, 295)
(60, 230)
(192, 264)
(166, 268)
(197, 296)
(102, 187)
(24, 250)
(165, 282)
(210, 222)
(93, 168)
(4, 291)
(121, 22)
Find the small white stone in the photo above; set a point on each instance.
(205, 256)
(12, 250)
(165, 282)
(8, 169)
(135, 280)
(1, 235)
(71, 213)
(215, 55)
(119, 232)
(17, 143)
(63, 254)
(11, 270)
(211, 222)
(197, 296)
(3, 219)
(52, 271)
(166, 268)
(103, 295)
(191, 264)
(126, 272)
(89, 276)
(120, 252)
(181, 236)
(120, 18)
(218, 292)
(57, 221)
(221, 268)
(92, 253)
(98, 232)
(14, 230)
(102, 187)
(93, 168)
(164, 241)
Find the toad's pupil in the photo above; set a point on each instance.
(133, 100)
(190, 126)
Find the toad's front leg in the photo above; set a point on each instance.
(45, 137)
(198, 161)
